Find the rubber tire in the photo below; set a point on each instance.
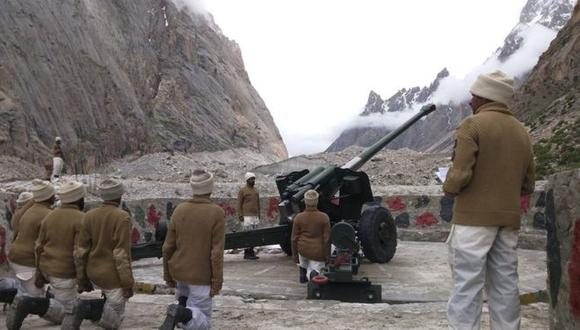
(376, 248)
(287, 248)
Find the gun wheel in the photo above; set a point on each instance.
(378, 234)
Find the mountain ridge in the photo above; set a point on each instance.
(114, 78)
(435, 133)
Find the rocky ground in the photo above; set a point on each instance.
(266, 294)
(167, 174)
(232, 312)
(387, 168)
(14, 168)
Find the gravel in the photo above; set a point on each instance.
(167, 174)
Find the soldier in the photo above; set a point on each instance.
(193, 256)
(104, 259)
(249, 210)
(48, 169)
(58, 159)
(493, 165)
(310, 238)
(23, 203)
(8, 285)
(30, 299)
(56, 242)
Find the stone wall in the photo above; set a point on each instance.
(563, 226)
(418, 217)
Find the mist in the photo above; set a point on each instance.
(314, 72)
(536, 39)
(196, 6)
(453, 90)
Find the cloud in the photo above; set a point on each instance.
(196, 6)
(452, 90)
(309, 141)
(390, 120)
(313, 139)
(536, 39)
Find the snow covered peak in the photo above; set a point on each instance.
(374, 104)
(552, 14)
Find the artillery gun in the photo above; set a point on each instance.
(357, 221)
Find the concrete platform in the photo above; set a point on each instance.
(418, 273)
(265, 294)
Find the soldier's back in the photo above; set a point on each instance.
(103, 225)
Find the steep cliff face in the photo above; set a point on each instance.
(114, 77)
(549, 101)
(435, 133)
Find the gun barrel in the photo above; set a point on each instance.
(357, 162)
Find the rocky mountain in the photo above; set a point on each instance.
(549, 101)
(400, 101)
(117, 77)
(435, 133)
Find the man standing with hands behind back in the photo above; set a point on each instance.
(249, 209)
(493, 165)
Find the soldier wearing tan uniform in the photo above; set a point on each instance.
(310, 238)
(193, 256)
(56, 242)
(104, 260)
(23, 203)
(249, 209)
(8, 285)
(58, 159)
(30, 298)
(493, 166)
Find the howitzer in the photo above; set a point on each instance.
(347, 198)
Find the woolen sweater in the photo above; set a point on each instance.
(311, 235)
(57, 151)
(248, 202)
(193, 251)
(17, 215)
(22, 251)
(493, 165)
(104, 253)
(57, 240)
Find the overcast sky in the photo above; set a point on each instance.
(314, 62)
